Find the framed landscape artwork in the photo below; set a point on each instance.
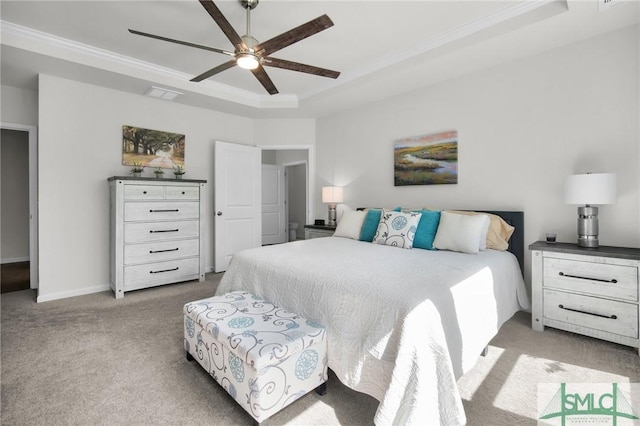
(152, 148)
(426, 160)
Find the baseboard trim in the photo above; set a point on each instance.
(14, 260)
(73, 293)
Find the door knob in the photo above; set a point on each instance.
(219, 213)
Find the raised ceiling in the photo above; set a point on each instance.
(381, 48)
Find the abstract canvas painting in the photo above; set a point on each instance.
(152, 148)
(427, 159)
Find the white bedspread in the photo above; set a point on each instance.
(402, 325)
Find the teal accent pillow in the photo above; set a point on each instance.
(427, 228)
(370, 224)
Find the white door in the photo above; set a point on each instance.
(274, 218)
(237, 200)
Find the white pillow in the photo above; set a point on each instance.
(461, 233)
(483, 237)
(397, 228)
(350, 224)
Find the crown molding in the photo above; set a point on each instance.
(29, 39)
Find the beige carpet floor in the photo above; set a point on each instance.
(97, 360)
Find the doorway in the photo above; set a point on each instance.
(19, 245)
(296, 161)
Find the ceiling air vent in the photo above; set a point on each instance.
(160, 93)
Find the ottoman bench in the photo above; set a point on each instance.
(265, 357)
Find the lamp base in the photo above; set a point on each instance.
(588, 227)
(588, 242)
(332, 215)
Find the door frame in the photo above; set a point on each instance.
(33, 197)
(310, 169)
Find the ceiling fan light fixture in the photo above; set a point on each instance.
(248, 61)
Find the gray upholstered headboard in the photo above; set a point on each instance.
(516, 243)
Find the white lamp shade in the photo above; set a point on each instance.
(591, 188)
(332, 194)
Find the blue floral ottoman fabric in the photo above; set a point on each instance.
(265, 357)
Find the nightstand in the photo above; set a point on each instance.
(589, 291)
(318, 231)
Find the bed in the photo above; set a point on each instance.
(402, 325)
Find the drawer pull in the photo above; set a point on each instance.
(144, 192)
(164, 270)
(562, 274)
(164, 211)
(163, 251)
(163, 230)
(588, 313)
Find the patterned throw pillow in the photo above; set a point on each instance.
(397, 228)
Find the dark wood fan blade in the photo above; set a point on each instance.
(214, 71)
(264, 79)
(292, 36)
(184, 43)
(296, 66)
(222, 22)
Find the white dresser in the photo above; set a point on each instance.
(156, 232)
(587, 291)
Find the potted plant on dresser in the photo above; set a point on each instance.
(178, 171)
(159, 172)
(136, 169)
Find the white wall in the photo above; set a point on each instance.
(18, 106)
(523, 127)
(14, 196)
(284, 131)
(80, 146)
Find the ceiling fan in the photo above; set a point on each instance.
(251, 54)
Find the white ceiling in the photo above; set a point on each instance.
(381, 48)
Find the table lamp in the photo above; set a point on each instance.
(332, 195)
(589, 189)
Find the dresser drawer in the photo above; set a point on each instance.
(140, 276)
(182, 193)
(599, 314)
(140, 232)
(161, 250)
(317, 233)
(143, 192)
(600, 279)
(161, 210)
